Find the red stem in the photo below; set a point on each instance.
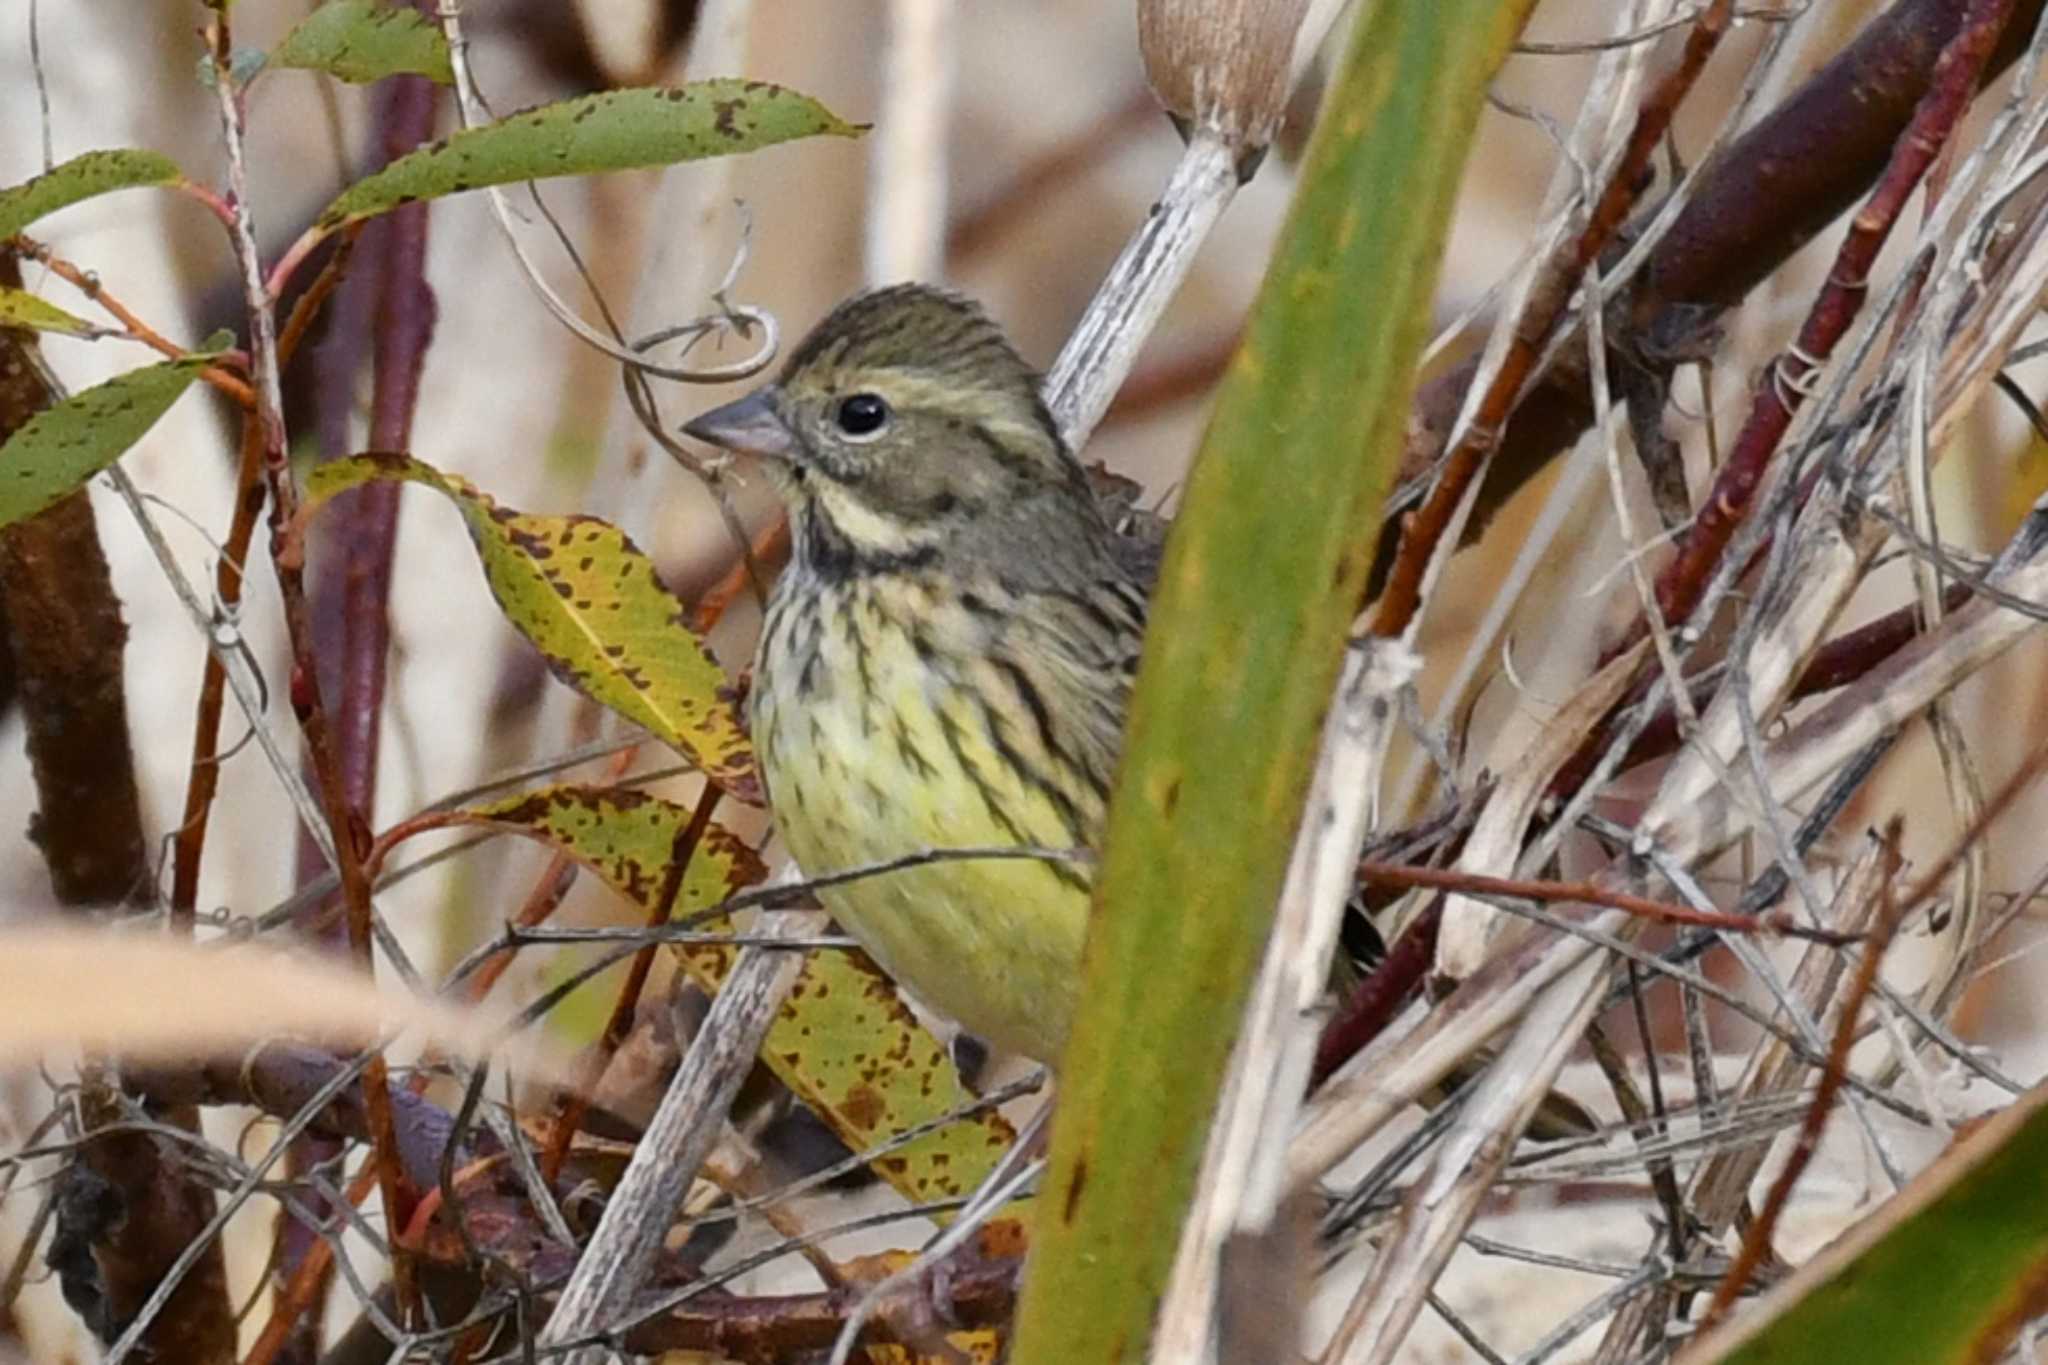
(351, 616)
(1781, 391)
(366, 530)
(1548, 306)
(1365, 1014)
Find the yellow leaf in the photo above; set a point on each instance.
(845, 1042)
(592, 604)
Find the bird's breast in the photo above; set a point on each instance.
(887, 726)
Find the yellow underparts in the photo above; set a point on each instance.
(887, 753)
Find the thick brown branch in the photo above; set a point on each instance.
(1779, 184)
(1548, 303)
(1782, 388)
(782, 1327)
(66, 635)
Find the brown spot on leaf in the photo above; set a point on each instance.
(864, 1106)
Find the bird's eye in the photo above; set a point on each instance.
(863, 414)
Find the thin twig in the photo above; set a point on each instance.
(88, 283)
(1591, 893)
(269, 417)
(614, 1265)
(1756, 1242)
(1783, 388)
(1548, 306)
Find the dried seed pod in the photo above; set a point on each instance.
(1224, 66)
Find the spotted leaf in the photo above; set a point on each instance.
(844, 1042)
(362, 40)
(82, 177)
(591, 602)
(614, 130)
(67, 443)
(19, 308)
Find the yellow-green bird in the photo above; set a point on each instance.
(947, 660)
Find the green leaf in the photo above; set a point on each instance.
(1263, 573)
(82, 177)
(62, 446)
(593, 605)
(362, 41)
(19, 308)
(844, 1041)
(613, 131)
(1946, 1270)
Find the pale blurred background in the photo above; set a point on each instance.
(514, 404)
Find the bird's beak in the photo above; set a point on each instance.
(750, 426)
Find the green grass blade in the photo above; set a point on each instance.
(1263, 572)
(1947, 1270)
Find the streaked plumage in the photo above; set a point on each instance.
(947, 660)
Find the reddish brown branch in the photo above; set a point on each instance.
(1367, 1011)
(350, 837)
(1549, 303)
(1782, 389)
(1779, 184)
(777, 1328)
(1805, 163)
(66, 635)
(1756, 1242)
(359, 530)
(88, 284)
(1586, 893)
(348, 834)
(202, 782)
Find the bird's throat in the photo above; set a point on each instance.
(837, 537)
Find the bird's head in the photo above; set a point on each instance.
(903, 421)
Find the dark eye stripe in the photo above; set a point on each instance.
(1021, 465)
